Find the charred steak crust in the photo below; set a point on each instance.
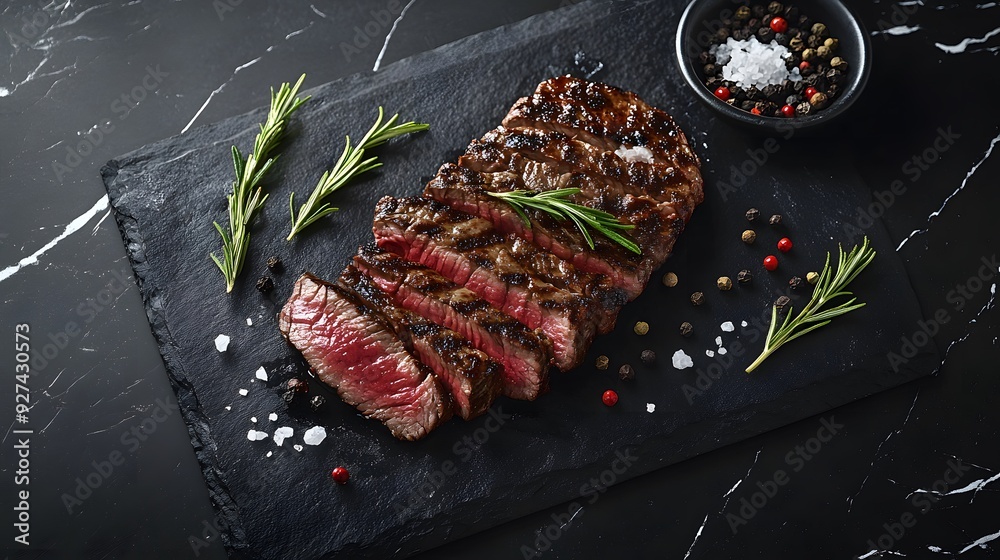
(473, 378)
(524, 353)
(468, 251)
(354, 349)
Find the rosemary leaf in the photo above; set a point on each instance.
(822, 307)
(247, 197)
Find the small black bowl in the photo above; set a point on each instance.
(702, 18)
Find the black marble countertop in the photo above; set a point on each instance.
(914, 470)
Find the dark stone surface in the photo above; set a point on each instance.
(166, 195)
(71, 70)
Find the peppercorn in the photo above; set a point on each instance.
(297, 385)
(686, 329)
(812, 277)
(809, 54)
(796, 44)
(795, 283)
(724, 283)
(265, 284)
(753, 23)
(781, 39)
(744, 276)
(831, 43)
(793, 99)
(771, 263)
(784, 244)
(765, 34)
(823, 51)
(274, 264)
(782, 302)
(641, 328)
(317, 402)
(775, 219)
(722, 34)
(626, 373)
(340, 475)
(743, 12)
(819, 29)
(710, 69)
(747, 105)
(813, 41)
(803, 109)
(648, 357)
(602, 362)
(288, 397)
(670, 279)
(697, 298)
(838, 63)
(775, 8)
(758, 10)
(787, 111)
(706, 58)
(722, 93)
(609, 398)
(752, 214)
(749, 236)
(819, 100)
(834, 76)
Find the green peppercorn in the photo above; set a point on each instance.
(775, 8)
(670, 279)
(812, 277)
(743, 12)
(602, 362)
(823, 51)
(831, 43)
(796, 44)
(809, 54)
(819, 29)
(749, 236)
(724, 283)
(838, 63)
(686, 329)
(641, 328)
(697, 298)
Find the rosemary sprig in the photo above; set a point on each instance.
(247, 197)
(352, 163)
(818, 312)
(556, 203)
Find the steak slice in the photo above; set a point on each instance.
(505, 149)
(473, 379)
(467, 190)
(468, 251)
(355, 350)
(608, 118)
(524, 353)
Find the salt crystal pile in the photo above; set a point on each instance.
(752, 63)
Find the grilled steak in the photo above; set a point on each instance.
(606, 117)
(354, 349)
(468, 251)
(473, 379)
(524, 353)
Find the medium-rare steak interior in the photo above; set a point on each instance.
(463, 298)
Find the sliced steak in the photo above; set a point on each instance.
(470, 252)
(505, 149)
(606, 117)
(473, 379)
(355, 350)
(467, 190)
(524, 353)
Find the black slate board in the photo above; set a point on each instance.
(166, 195)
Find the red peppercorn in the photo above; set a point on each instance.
(788, 111)
(755, 111)
(803, 65)
(722, 93)
(340, 475)
(810, 91)
(771, 262)
(779, 25)
(784, 244)
(610, 397)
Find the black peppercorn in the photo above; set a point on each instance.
(288, 397)
(265, 284)
(706, 58)
(297, 385)
(782, 302)
(775, 8)
(626, 373)
(752, 214)
(765, 34)
(744, 276)
(316, 402)
(775, 219)
(781, 39)
(722, 34)
(793, 99)
(746, 105)
(686, 329)
(795, 283)
(773, 93)
(274, 264)
(814, 41)
(648, 357)
(758, 11)
(697, 298)
(710, 69)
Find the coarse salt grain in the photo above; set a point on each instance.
(253, 419)
(728, 326)
(261, 374)
(722, 351)
(254, 435)
(269, 453)
(635, 153)
(314, 435)
(718, 341)
(222, 343)
(249, 322)
(681, 360)
(297, 447)
(281, 433)
(710, 353)
(650, 407)
(272, 417)
(244, 392)
(752, 63)
(744, 324)
(228, 407)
